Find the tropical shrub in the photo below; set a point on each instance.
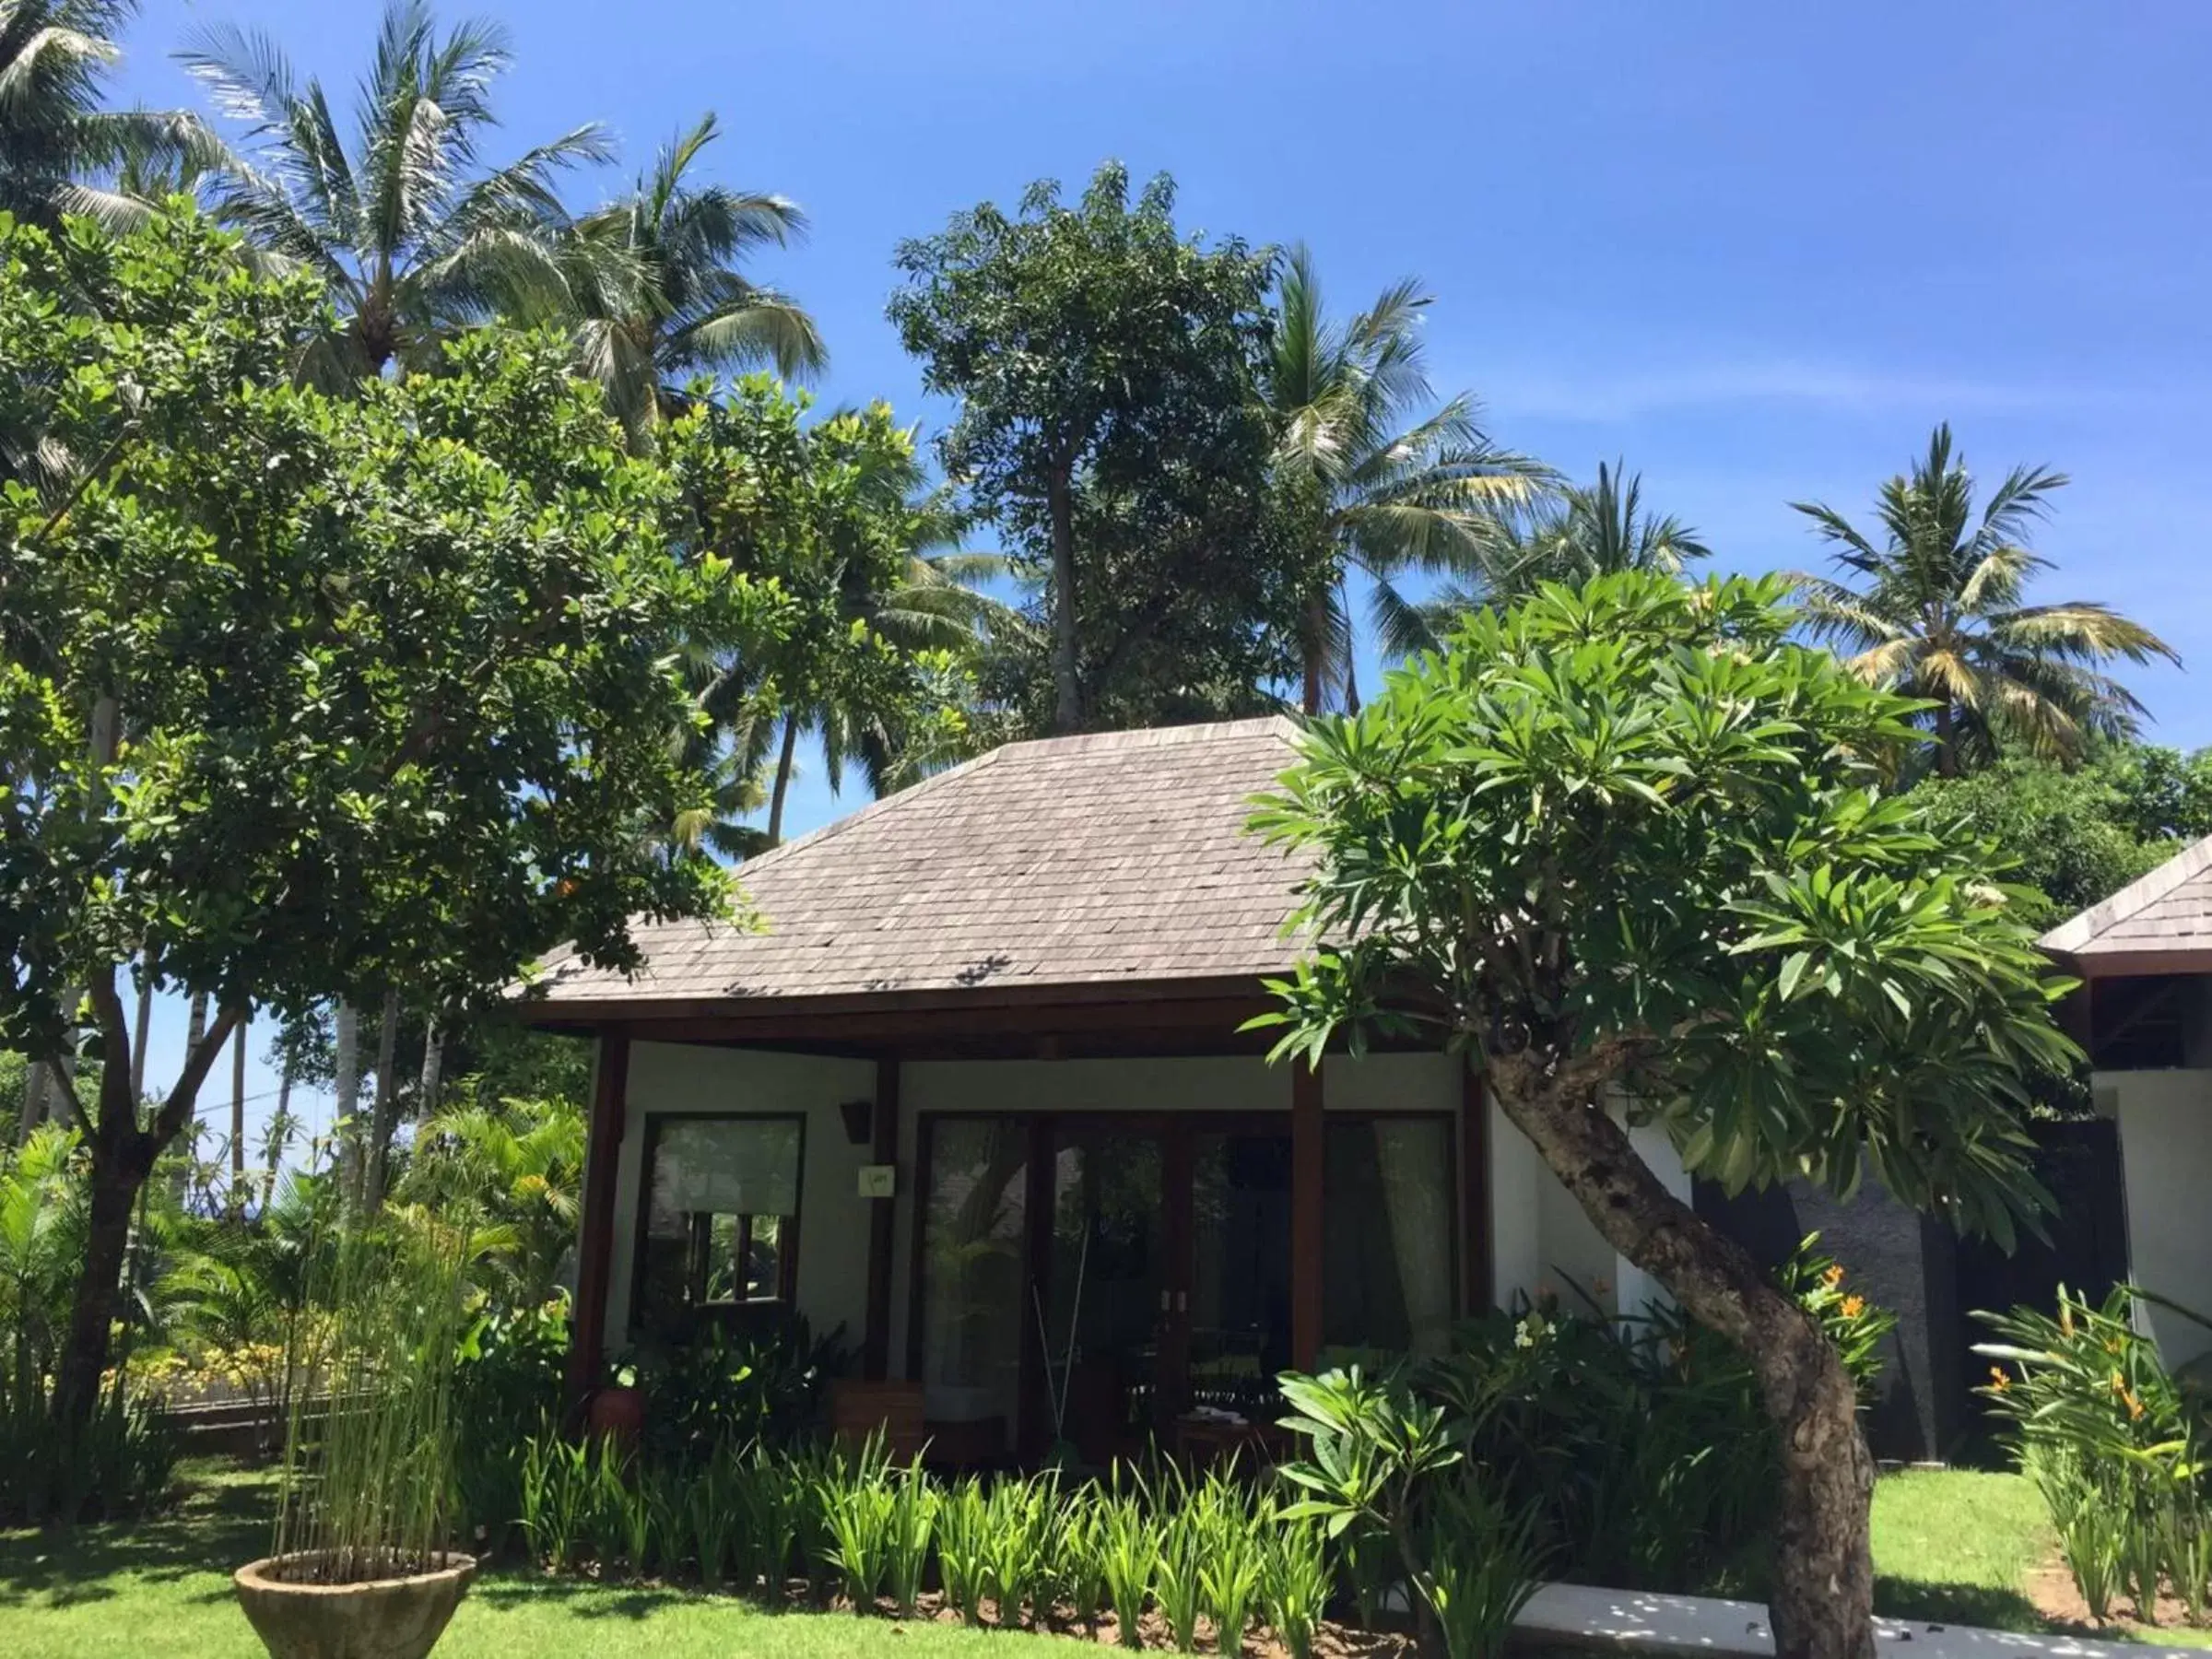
(2112, 1442)
(722, 1388)
(507, 1379)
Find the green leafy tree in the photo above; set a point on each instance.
(1626, 847)
(2078, 835)
(657, 294)
(1108, 373)
(523, 1161)
(874, 633)
(300, 695)
(61, 151)
(1392, 485)
(1941, 614)
(412, 237)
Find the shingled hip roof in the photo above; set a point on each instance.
(1077, 862)
(2161, 924)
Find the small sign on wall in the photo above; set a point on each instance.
(880, 1181)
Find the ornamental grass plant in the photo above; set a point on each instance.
(368, 1488)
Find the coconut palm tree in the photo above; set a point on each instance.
(929, 597)
(1383, 498)
(656, 295)
(413, 235)
(1938, 614)
(1585, 530)
(59, 149)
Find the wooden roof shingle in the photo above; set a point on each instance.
(2161, 924)
(1078, 861)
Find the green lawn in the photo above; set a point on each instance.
(1953, 1546)
(162, 1589)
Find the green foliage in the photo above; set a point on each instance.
(1125, 1554)
(860, 1503)
(1485, 1565)
(724, 1388)
(963, 1549)
(2078, 835)
(303, 696)
(507, 1377)
(524, 1161)
(1295, 1584)
(1632, 833)
(1107, 371)
(2113, 1443)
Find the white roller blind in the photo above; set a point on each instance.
(725, 1167)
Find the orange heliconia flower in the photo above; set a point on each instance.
(1853, 1306)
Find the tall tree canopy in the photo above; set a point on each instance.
(875, 637)
(1108, 370)
(300, 696)
(2077, 835)
(657, 294)
(1941, 612)
(1390, 485)
(1626, 847)
(60, 147)
(412, 235)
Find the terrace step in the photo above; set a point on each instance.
(1635, 1621)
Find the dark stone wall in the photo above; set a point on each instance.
(1934, 1281)
(1897, 1259)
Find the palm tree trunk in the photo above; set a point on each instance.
(280, 1129)
(34, 1100)
(237, 1195)
(386, 1117)
(1946, 740)
(782, 785)
(140, 1023)
(1067, 687)
(433, 1066)
(346, 1090)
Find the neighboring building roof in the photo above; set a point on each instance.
(1069, 861)
(2161, 924)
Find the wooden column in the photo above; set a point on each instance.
(1308, 1153)
(602, 1169)
(876, 1349)
(1475, 1291)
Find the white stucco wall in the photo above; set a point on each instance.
(2166, 1174)
(833, 1217)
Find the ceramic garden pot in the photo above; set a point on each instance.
(617, 1413)
(381, 1618)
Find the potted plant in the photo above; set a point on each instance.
(362, 1567)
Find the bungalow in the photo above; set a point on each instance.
(2145, 1015)
(977, 1092)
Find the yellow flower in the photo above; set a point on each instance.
(1853, 1306)
(2134, 1407)
(2113, 1345)
(1835, 1275)
(1998, 1380)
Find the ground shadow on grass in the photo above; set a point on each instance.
(579, 1598)
(217, 1524)
(1960, 1603)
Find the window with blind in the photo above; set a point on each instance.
(721, 1222)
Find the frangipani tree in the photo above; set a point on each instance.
(300, 694)
(1626, 847)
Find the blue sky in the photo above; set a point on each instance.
(1759, 251)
